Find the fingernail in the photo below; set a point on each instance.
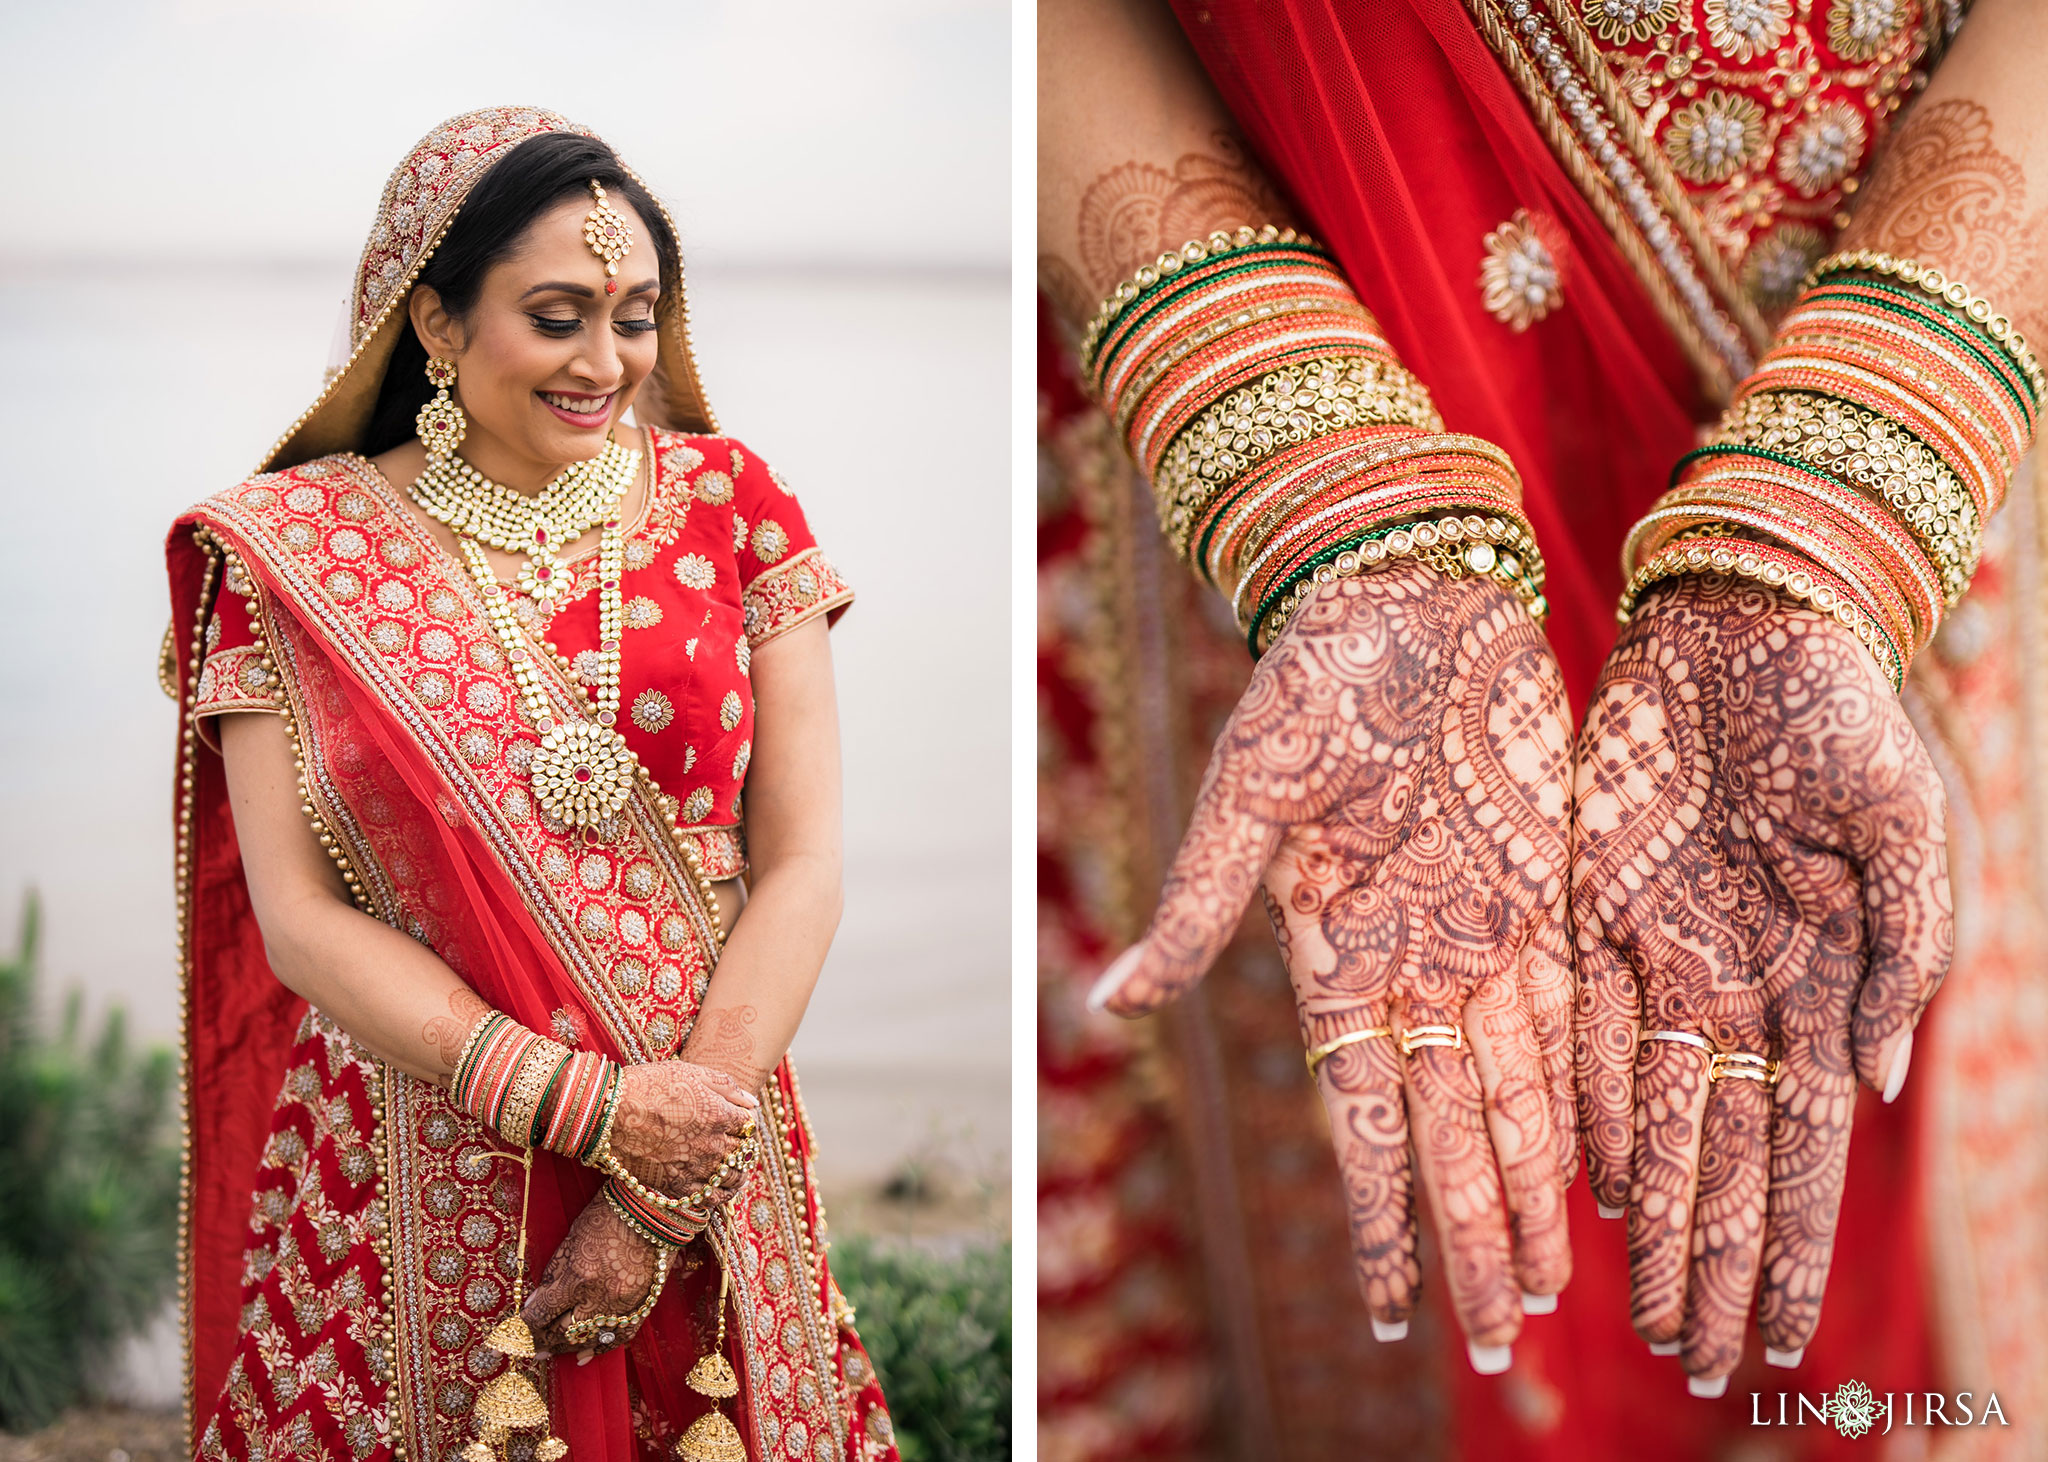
(1705, 1389)
(1786, 1358)
(1489, 1360)
(1538, 1304)
(583, 1357)
(1111, 980)
(1605, 1211)
(1897, 1079)
(1664, 1347)
(1387, 1331)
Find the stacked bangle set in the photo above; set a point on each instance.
(1858, 464)
(534, 1092)
(1285, 444)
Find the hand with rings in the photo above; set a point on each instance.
(1396, 781)
(1761, 900)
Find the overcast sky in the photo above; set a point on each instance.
(780, 131)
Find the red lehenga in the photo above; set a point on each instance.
(350, 1235)
(1192, 1239)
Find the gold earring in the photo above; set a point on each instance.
(441, 424)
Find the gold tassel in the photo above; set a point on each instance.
(712, 1437)
(512, 1403)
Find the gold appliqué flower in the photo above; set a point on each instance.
(1629, 20)
(1777, 262)
(1715, 136)
(1859, 29)
(1521, 279)
(1822, 149)
(1747, 28)
(652, 711)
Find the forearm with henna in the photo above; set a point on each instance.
(1137, 154)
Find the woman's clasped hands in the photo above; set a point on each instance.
(1750, 839)
(677, 1126)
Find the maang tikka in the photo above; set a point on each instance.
(441, 424)
(609, 235)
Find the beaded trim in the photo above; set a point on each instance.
(1493, 547)
(1779, 568)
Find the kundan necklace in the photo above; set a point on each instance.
(582, 495)
(582, 771)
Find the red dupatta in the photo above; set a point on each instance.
(362, 1290)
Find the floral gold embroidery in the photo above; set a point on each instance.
(1859, 29)
(1746, 29)
(1715, 136)
(652, 711)
(642, 613)
(729, 711)
(770, 542)
(1520, 279)
(1822, 149)
(694, 571)
(697, 806)
(1629, 20)
(714, 488)
(1778, 261)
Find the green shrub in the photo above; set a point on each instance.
(88, 1195)
(938, 1329)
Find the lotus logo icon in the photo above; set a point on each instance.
(1853, 1409)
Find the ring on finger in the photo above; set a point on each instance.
(1723, 1065)
(1317, 1055)
(1416, 1036)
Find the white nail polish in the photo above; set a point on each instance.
(1897, 1080)
(1606, 1212)
(583, 1357)
(1388, 1331)
(1707, 1390)
(1489, 1360)
(1664, 1347)
(1786, 1358)
(1111, 980)
(1538, 1304)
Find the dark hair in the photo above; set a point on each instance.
(535, 175)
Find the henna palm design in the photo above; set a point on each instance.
(1395, 781)
(1759, 859)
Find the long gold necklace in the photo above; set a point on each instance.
(583, 770)
(540, 526)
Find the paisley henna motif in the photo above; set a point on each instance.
(1395, 783)
(1759, 860)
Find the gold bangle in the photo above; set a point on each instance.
(604, 1328)
(1195, 251)
(1317, 1055)
(529, 1084)
(1952, 292)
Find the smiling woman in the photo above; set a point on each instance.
(507, 633)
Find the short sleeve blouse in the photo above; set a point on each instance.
(720, 562)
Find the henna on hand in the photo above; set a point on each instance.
(1133, 212)
(723, 1042)
(676, 1123)
(445, 1034)
(601, 1267)
(1760, 859)
(1395, 778)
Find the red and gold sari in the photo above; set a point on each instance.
(350, 1235)
(1673, 168)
